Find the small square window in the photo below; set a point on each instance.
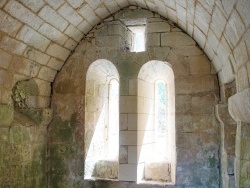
(138, 41)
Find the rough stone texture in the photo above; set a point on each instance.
(228, 20)
(239, 106)
(196, 95)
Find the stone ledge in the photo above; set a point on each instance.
(239, 106)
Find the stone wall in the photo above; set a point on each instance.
(196, 89)
(23, 138)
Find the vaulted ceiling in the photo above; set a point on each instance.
(36, 37)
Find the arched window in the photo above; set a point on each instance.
(156, 123)
(160, 121)
(101, 121)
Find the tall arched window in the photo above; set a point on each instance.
(160, 120)
(156, 123)
(101, 121)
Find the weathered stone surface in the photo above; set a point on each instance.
(6, 115)
(176, 39)
(24, 14)
(153, 39)
(33, 38)
(239, 106)
(199, 65)
(188, 84)
(157, 27)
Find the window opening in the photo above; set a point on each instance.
(138, 39)
(160, 120)
(113, 120)
(101, 121)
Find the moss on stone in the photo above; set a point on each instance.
(6, 115)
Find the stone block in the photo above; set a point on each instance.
(117, 29)
(199, 65)
(132, 121)
(6, 115)
(145, 89)
(157, 27)
(212, 40)
(171, 4)
(33, 5)
(87, 13)
(132, 155)
(55, 4)
(145, 105)
(145, 137)
(188, 50)
(58, 52)
(128, 104)
(176, 39)
(153, 39)
(122, 3)
(244, 173)
(74, 33)
(102, 12)
(190, 84)
(5, 59)
(132, 87)
(123, 154)
(128, 138)
(242, 79)
(70, 14)
(52, 33)
(134, 14)
(12, 45)
(158, 171)
(55, 63)
(33, 38)
(47, 73)
(26, 67)
(36, 56)
(199, 37)
(23, 14)
(8, 24)
(3, 76)
(240, 54)
(2, 3)
(106, 169)
(127, 172)
(203, 104)
(159, 53)
(70, 44)
(234, 29)
(110, 41)
(123, 122)
(183, 104)
(202, 18)
(184, 123)
(243, 7)
(144, 122)
(209, 51)
(52, 17)
(218, 22)
(75, 3)
(181, 13)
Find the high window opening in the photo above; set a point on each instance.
(112, 139)
(101, 121)
(160, 120)
(138, 39)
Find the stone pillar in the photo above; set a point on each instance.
(128, 133)
(227, 142)
(239, 109)
(242, 162)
